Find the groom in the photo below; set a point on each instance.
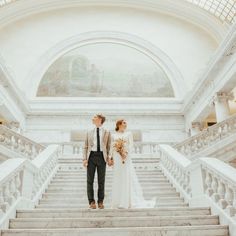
(96, 149)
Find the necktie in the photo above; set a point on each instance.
(98, 140)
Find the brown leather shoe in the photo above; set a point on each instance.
(100, 205)
(92, 205)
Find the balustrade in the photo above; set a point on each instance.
(24, 179)
(175, 164)
(194, 145)
(205, 181)
(76, 148)
(19, 143)
(220, 185)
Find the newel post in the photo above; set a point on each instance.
(197, 184)
(28, 184)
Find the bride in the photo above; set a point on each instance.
(126, 189)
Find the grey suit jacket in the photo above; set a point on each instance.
(88, 144)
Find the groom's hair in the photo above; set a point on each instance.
(102, 117)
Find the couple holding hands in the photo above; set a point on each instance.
(102, 148)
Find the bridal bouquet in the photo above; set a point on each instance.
(119, 145)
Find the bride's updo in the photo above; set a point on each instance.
(118, 123)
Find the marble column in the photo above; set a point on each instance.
(221, 103)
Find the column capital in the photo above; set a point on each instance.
(223, 97)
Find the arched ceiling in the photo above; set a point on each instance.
(215, 16)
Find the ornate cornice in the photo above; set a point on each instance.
(110, 106)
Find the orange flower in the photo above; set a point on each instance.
(119, 145)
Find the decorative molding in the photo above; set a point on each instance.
(110, 106)
(11, 97)
(219, 76)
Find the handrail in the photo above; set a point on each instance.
(208, 137)
(19, 143)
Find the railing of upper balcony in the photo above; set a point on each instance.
(225, 10)
(139, 147)
(18, 143)
(76, 148)
(194, 145)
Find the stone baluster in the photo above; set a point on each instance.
(188, 188)
(12, 189)
(208, 182)
(229, 197)
(18, 185)
(80, 149)
(3, 204)
(6, 195)
(221, 190)
(214, 186)
(185, 185)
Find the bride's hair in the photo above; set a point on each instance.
(118, 123)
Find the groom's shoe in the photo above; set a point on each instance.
(92, 205)
(100, 205)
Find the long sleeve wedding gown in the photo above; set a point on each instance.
(126, 189)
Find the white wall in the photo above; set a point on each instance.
(58, 128)
(25, 41)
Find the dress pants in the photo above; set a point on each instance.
(96, 162)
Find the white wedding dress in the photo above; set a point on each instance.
(126, 189)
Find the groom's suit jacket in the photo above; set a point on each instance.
(88, 145)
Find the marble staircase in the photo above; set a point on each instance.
(63, 209)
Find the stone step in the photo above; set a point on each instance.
(77, 213)
(141, 172)
(107, 205)
(80, 182)
(108, 184)
(85, 200)
(81, 174)
(141, 179)
(82, 193)
(108, 178)
(203, 230)
(69, 194)
(77, 168)
(153, 221)
(83, 186)
(84, 183)
(143, 160)
(135, 161)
